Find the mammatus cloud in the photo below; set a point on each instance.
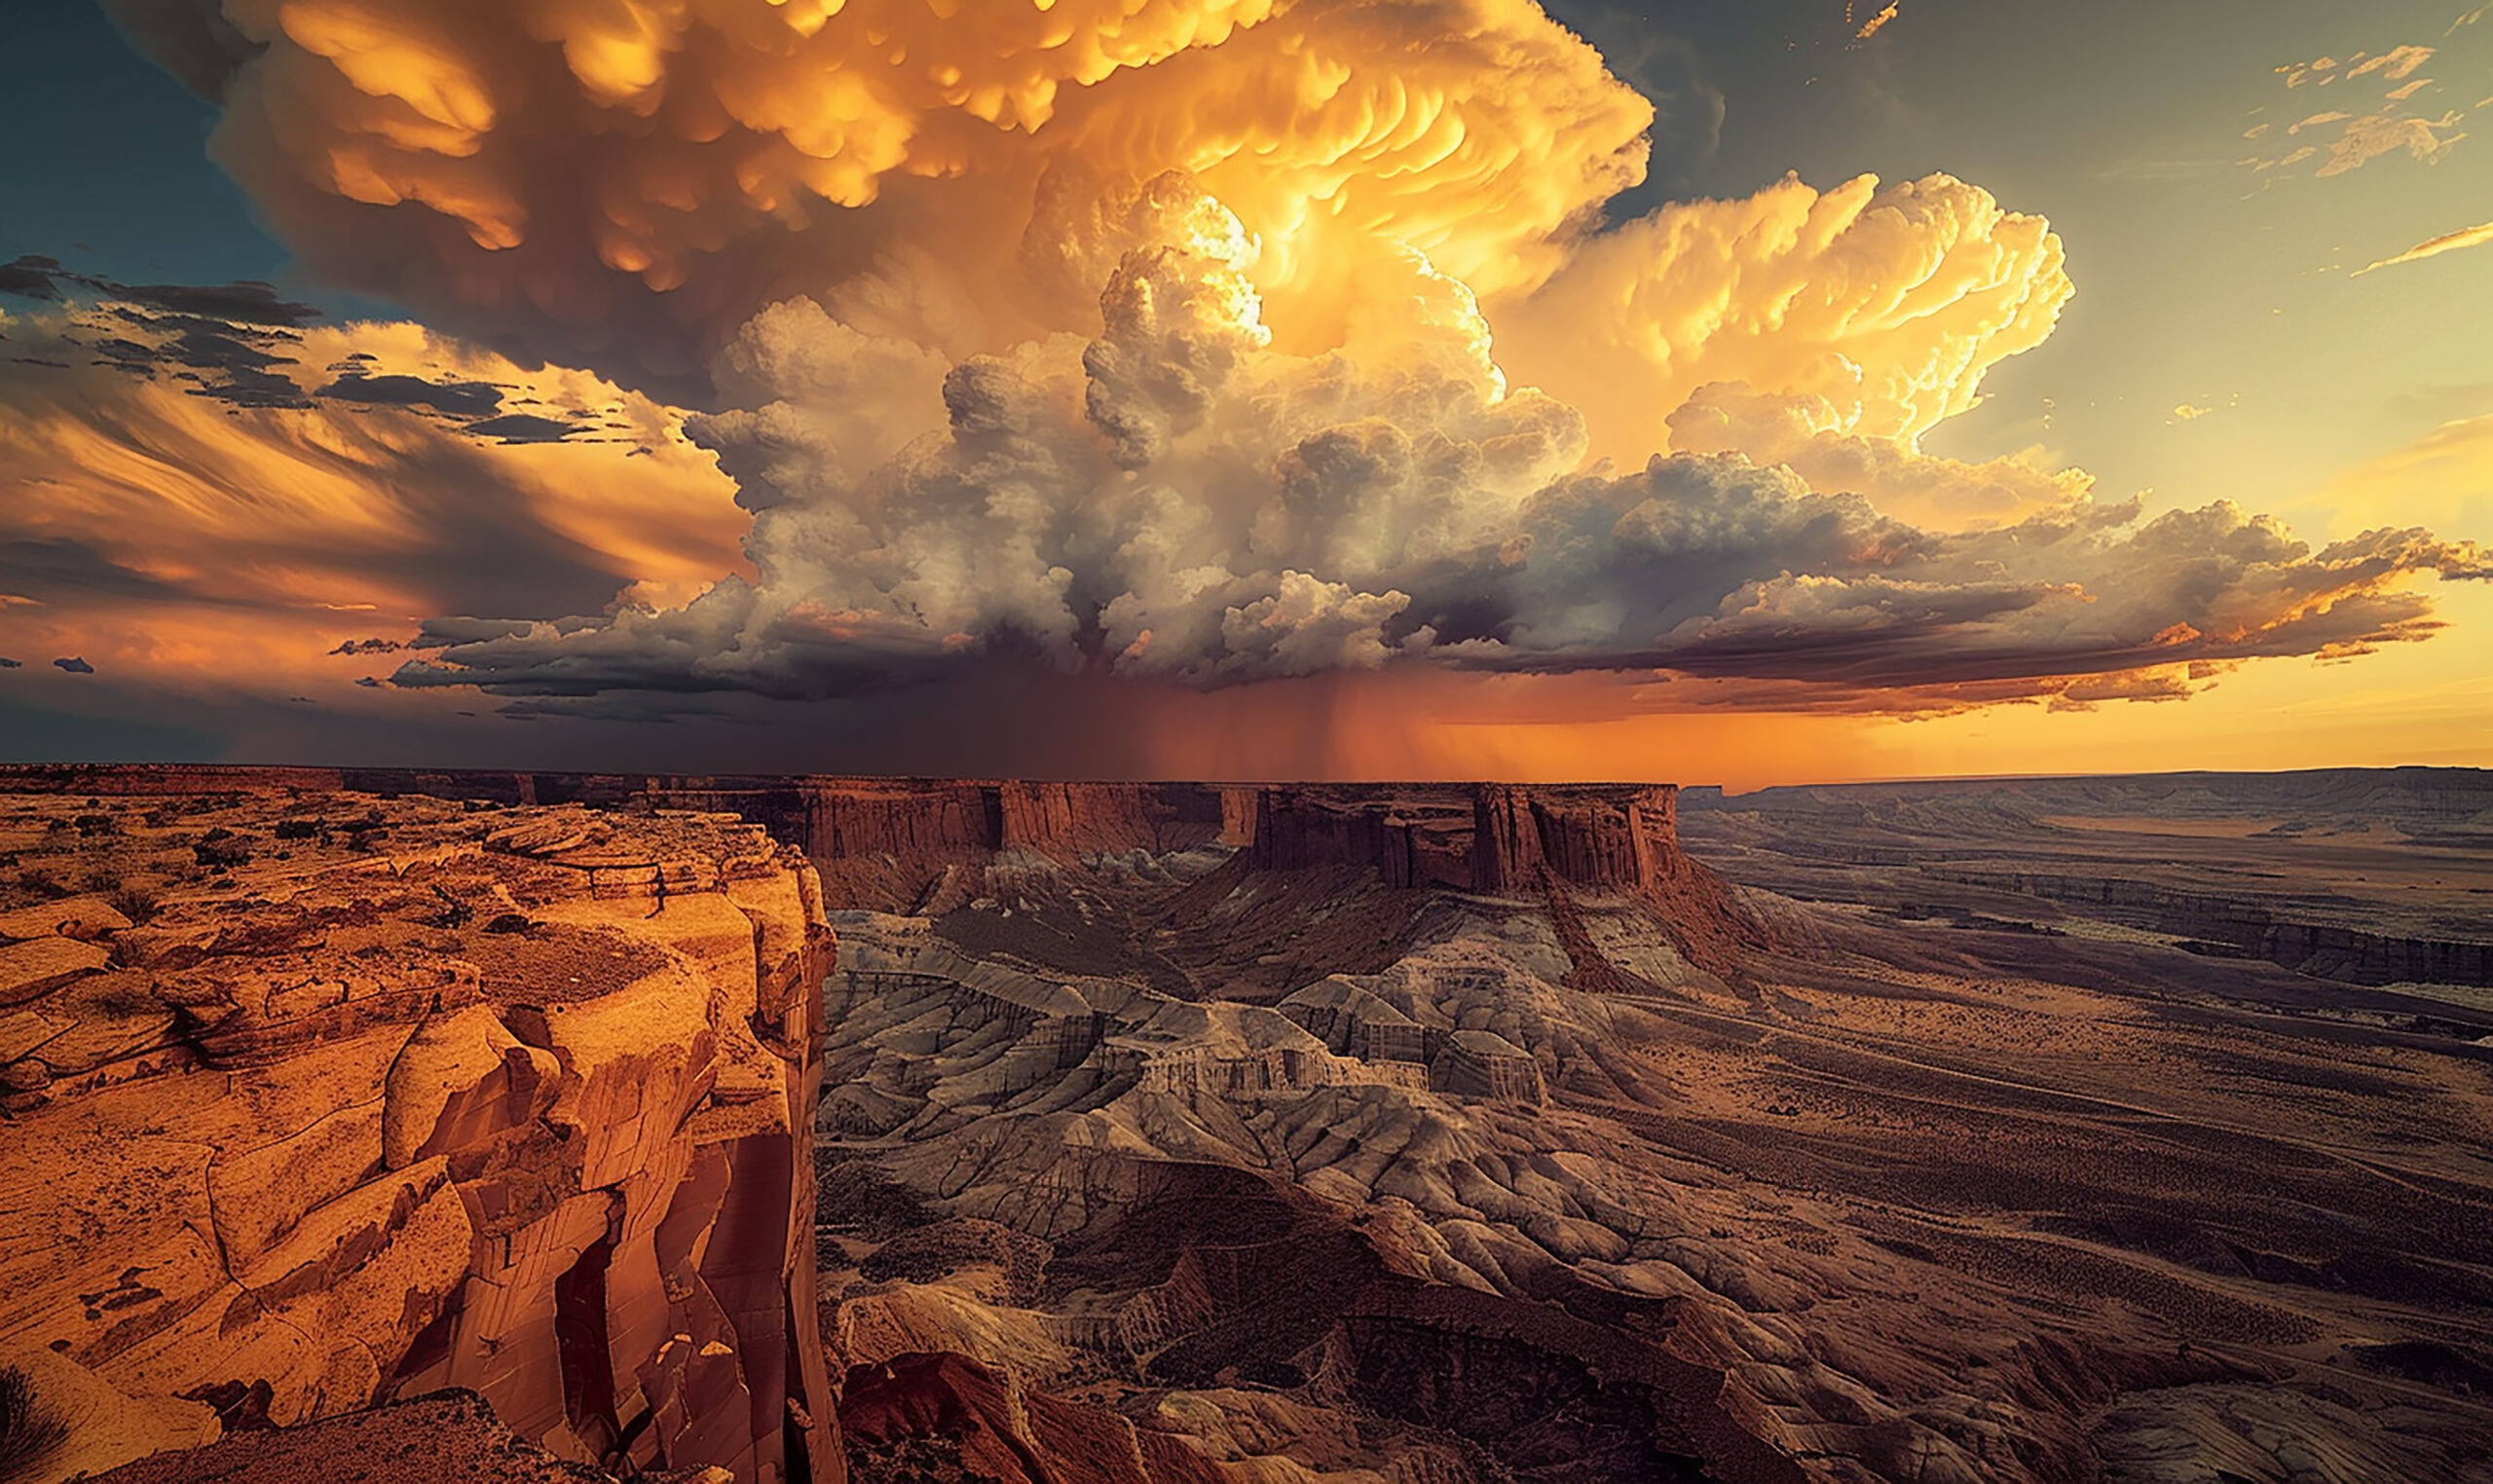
(634, 178)
(1211, 344)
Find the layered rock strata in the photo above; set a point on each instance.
(976, 1034)
(1489, 837)
(332, 1100)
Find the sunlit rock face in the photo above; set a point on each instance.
(1176, 1134)
(332, 1100)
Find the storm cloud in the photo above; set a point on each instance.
(1193, 342)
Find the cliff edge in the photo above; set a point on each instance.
(332, 1100)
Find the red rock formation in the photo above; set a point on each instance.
(1238, 816)
(1303, 828)
(384, 1097)
(923, 844)
(893, 840)
(1607, 839)
(926, 845)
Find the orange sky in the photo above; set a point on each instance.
(783, 366)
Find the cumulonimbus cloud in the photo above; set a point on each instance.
(1209, 341)
(1175, 499)
(633, 179)
(1884, 305)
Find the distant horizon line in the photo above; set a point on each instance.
(19, 768)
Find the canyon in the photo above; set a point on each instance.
(316, 1100)
(763, 1128)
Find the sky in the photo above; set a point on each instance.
(1749, 394)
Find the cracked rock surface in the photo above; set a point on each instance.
(316, 1100)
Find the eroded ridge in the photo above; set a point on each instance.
(316, 1100)
(1178, 1134)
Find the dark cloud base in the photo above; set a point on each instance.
(235, 342)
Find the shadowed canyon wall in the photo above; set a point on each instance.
(887, 844)
(354, 1084)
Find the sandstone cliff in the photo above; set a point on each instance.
(913, 844)
(332, 1100)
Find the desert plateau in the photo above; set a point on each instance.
(1246, 742)
(536, 1126)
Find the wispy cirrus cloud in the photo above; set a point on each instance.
(2432, 247)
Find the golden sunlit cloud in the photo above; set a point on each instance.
(2444, 479)
(2353, 134)
(226, 503)
(634, 178)
(1875, 24)
(1888, 304)
(1197, 345)
(2432, 247)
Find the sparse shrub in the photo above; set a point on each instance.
(31, 1429)
(37, 884)
(134, 900)
(853, 1194)
(125, 998)
(221, 846)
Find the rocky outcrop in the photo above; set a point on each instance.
(1550, 841)
(910, 1013)
(2232, 928)
(946, 1416)
(1310, 829)
(1480, 1063)
(1503, 840)
(1617, 838)
(935, 846)
(1490, 837)
(880, 842)
(924, 844)
(335, 1100)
